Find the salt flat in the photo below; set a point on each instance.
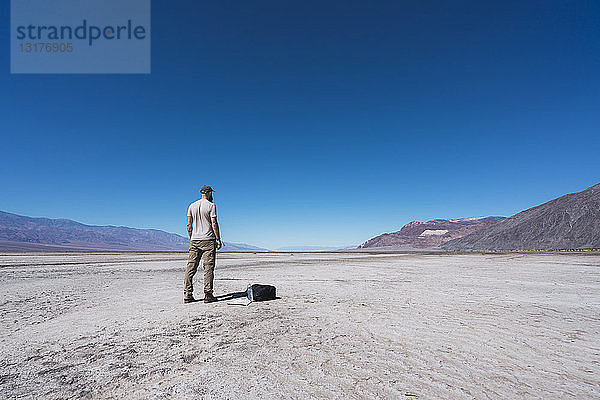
(351, 325)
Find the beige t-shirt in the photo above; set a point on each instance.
(201, 212)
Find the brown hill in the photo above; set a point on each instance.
(568, 222)
(421, 235)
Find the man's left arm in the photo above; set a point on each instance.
(215, 226)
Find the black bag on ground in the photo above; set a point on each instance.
(263, 292)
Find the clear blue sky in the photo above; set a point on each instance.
(317, 122)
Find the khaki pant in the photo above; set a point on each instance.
(205, 249)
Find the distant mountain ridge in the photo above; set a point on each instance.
(241, 247)
(314, 248)
(568, 222)
(21, 233)
(430, 234)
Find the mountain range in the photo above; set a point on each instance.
(21, 233)
(430, 234)
(568, 222)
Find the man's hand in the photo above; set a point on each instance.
(219, 244)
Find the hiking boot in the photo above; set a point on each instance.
(209, 298)
(189, 300)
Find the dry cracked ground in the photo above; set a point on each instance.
(346, 325)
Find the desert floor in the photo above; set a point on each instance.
(350, 325)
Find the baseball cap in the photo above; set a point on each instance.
(206, 189)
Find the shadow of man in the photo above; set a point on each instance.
(230, 296)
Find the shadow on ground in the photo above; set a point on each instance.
(232, 295)
(237, 295)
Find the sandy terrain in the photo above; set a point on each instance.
(382, 326)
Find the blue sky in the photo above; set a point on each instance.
(317, 122)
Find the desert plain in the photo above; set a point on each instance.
(345, 325)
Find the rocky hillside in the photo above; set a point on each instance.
(20, 233)
(568, 222)
(421, 235)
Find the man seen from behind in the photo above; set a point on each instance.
(205, 240)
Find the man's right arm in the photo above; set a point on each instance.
(215, 227)
(190, 225)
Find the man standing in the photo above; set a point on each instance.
(205, 239)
